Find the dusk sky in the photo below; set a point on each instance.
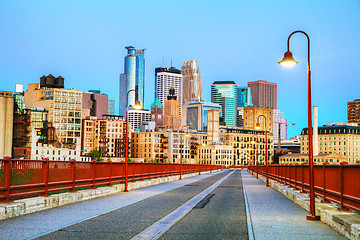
(241, 41)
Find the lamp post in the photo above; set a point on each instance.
(289, 61)
(181, 145)
(266, 143)
(257, 155)
(137, 106)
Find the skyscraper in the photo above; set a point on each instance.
(165, 79)
(244, 98)
(264, 94)
(133, 78)
(224, 93)
(192, 85)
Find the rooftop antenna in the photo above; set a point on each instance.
(163, 62)
(171, 63)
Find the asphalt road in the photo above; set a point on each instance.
(220, 215)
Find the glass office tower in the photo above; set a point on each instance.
(224, 93)
(244, 98)
(133, 78)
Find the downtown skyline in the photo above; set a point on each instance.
(85, 43)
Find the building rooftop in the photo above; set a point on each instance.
(157, 103)
(224, 82)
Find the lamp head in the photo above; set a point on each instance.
(288, 60)
(253, 142)
(257, 127)
(187, 134)
(137, 105)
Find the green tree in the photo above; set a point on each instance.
(96, 155)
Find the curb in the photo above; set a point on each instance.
(346, 223)
(36, 204)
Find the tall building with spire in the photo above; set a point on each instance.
(165, 79)
(192, 85)
(132, 78)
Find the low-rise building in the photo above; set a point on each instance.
(247, 144)
(294, 158)
(337, 138)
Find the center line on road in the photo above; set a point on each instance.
(157, 229)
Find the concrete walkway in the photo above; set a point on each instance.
(275, 217)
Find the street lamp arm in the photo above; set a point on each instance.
(308, 38)
(127, 95)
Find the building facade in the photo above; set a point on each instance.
(353, 111)
(252, 117)
(157, 113)
(279, 125)
(172, 118)
(105, 134)
(97, 103)
(166, 79)
(64, 108)
(244, 97)
(195, 114)
(137, 117)
(133, 78)
(6, 123)
(192, 84)
(337, 138)
(224, 93)
(248, 145)
(264, 94)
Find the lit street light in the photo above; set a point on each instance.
(287, 61)
(137, 106)
(266, 143)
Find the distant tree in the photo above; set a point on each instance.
(96, 155)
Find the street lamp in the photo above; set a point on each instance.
(181, 145)
(257, 154)
(137, 106)
(288, 60)
(266, 143)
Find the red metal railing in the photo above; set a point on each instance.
(23, 178)
(335, 183)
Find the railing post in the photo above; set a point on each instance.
(133, 175)
(110, 170)
(142, 171)
(302, 177)
(72, 174)
(45, 176)
(6, 179)
(342, 185)
(296, 168)
(324, 182)
(93, 165)
(155, 166)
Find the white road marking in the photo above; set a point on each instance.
(157, 229)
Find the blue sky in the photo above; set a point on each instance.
(241, 41)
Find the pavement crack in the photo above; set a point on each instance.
(204, 201)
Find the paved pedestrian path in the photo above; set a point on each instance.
(273, 216)
(270, 215)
